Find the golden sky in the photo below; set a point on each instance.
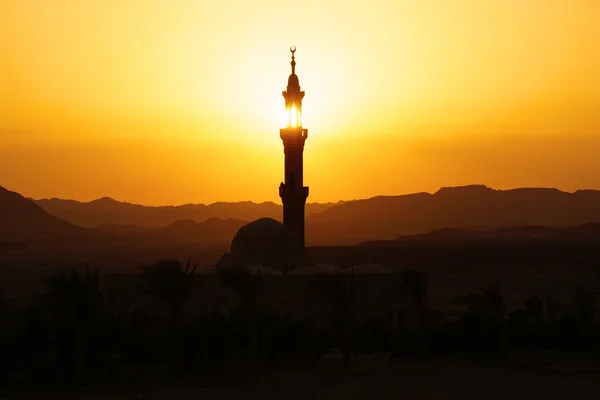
(171, 101)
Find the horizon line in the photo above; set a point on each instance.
(326, 202)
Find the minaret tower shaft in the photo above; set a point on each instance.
(292, 191)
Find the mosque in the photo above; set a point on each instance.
(275, 251)
(280, 247)
(267, 242)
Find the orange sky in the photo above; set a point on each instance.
(171, 102)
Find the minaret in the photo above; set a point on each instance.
(292, 191)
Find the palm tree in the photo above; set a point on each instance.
(490, 302)
(585, 302)
(76, 305)
(496, 300)
(172, 284)
(553, 312)
(340, 291)
(537, 318)
(247, 287)
(415, 283)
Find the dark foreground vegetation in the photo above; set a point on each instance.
(74, 334)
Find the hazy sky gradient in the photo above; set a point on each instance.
(171, 102)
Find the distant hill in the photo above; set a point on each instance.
(474, 207)
(106, 212)
(468, 208)
(21, 219)
(586, 232)
(212, 231)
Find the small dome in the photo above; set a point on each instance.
(263, 228)
(264, 242)
(370, 269)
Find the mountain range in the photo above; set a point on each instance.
(21, 219)
(213, 231)
(473, 208)
(585, 232)
(105, 211)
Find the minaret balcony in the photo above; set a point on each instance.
(290, 194)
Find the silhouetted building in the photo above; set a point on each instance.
(264, 242)
(292, 191)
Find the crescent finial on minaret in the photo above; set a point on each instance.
(293, 50)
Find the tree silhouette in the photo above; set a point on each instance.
(579, 324)
(340, 291)
(248, 287)
(496, 300)
(586, 304)
(172, 284)
(415, 283)
(537, 315)
(488, 304)
(75, 304)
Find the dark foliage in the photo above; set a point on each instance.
(171, 283)
(73, 333)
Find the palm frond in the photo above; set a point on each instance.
(169, 281)
(416, 283)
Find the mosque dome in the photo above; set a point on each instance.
(261, 228)
(265, 242)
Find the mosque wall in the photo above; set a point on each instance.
(298, 295)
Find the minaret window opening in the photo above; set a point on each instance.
(294, 117)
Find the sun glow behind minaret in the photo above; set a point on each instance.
(292, 191)
(441, 92)
(293, 120)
